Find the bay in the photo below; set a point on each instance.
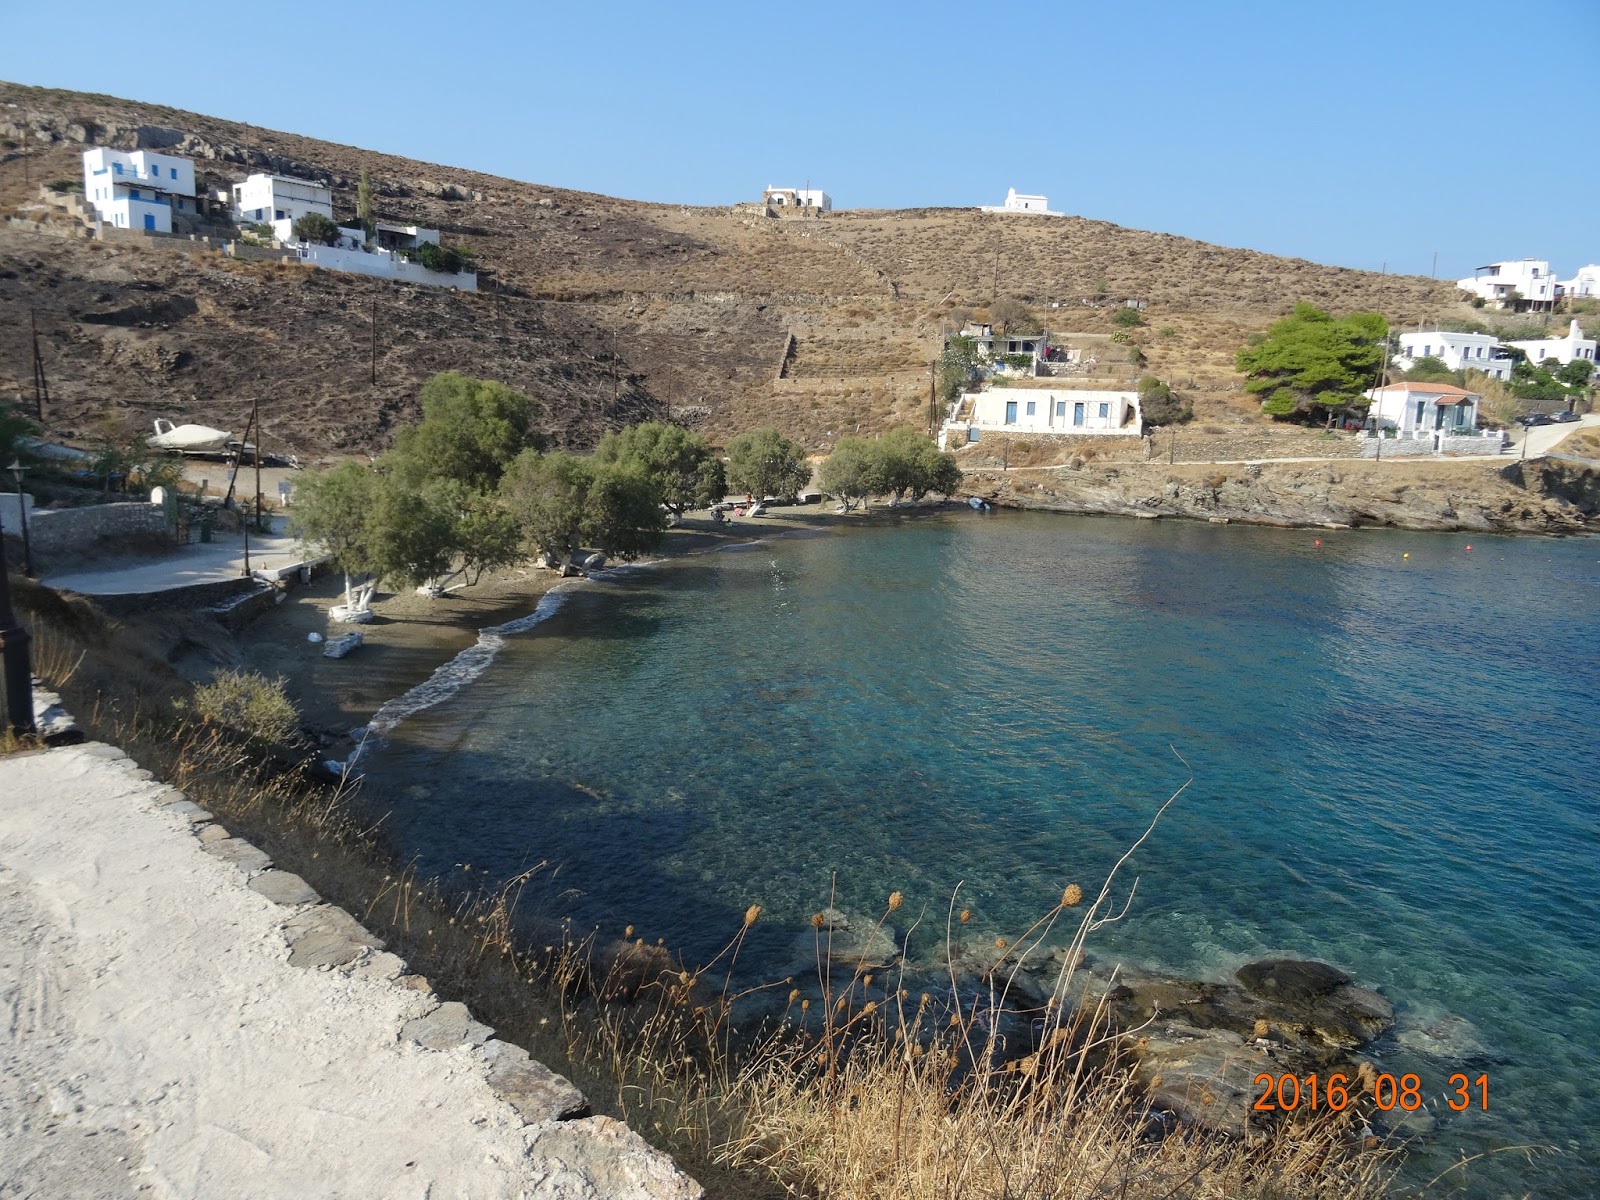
(1388, 741)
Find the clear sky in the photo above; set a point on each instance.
(1361, 132)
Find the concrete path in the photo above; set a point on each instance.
(1542, 439)
(179, 1020)
(200, 562)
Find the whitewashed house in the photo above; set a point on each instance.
(997, 347)
(1419, 408)
(1561, 350)
(1042, 411)
(1525, 285)
(279, 201)
(806, 197)
(1584, 285)
(138, 189)
(1017, 202)
(1458, 351)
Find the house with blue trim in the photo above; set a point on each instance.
(138, 189)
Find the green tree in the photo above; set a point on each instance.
(957, 365)
(364, 213)
(487, 536)
(1309, 364)
(448, 259)
(908, 463)
(1159, 405)
(471, 430)
(333, 510)
(1127, 317)
(1575, 373)
(547, 495)
(1432, 369)
(684, 471)
(411, 533)
(765, 463)
(314, 227)
(623, 516)
(851, 472)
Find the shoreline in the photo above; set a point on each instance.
(415, 638)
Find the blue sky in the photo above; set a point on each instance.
(1355, 133)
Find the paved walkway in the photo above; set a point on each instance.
(167, 1030)
(200, 562)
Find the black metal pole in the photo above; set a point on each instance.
(18, 666)
(22, 510)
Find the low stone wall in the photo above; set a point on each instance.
(60, 535)
(1415, 445)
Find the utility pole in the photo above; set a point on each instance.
(14, 655)
(614, 382)
(994, 286)
(255, 419)
(1433, 271)
(933, 398)
(374, 340)
(41, 388)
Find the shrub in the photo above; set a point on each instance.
(448, 259)
(314, 227)
(246, 703)
(1127, 318)
(1158, 405)
(63, 186)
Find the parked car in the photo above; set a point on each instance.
(1566, 416)
(1529, 420)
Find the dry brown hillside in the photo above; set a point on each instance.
(700, 304)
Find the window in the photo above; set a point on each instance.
(1011, 412)
(117, 167)
(1061, 409)
(174, 172)
(1421, 404)
(1105, 411)
(1030, 408)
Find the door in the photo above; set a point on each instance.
(150, 221)
(1011, 412)
(1077, 413)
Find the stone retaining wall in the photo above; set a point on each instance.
(65, 531)
(1404, 446)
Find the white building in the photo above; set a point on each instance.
(1047, 411)
(1016, 202)
(1417, 408)
(139, 189)
(806, 197)
(279, 201)
(1561, 349)
(1458, 351)
(1523, 285)
(1586, 283)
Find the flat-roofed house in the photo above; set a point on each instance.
(138, 189)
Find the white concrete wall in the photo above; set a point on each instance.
(1586, 283)
(1530, 277)
(384, 264)
(1394, 408)
(1561, 350)
(272, 198)
(1458, 351)
(1056, 411)
(125, 212)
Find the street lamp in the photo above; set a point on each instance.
(16, 669)
(16, 468)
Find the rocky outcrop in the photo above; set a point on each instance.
(1543, 496)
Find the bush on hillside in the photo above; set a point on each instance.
(246, 703)
(314, 227)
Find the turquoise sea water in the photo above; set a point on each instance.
(1394, 764)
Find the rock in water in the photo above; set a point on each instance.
(1291, 980)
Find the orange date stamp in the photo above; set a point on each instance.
(1334, 1093)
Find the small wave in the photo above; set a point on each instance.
(472, 662)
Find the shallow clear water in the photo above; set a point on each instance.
(1394, 763)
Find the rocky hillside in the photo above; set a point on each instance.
(722, 319)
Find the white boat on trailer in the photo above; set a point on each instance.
(189, 439)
